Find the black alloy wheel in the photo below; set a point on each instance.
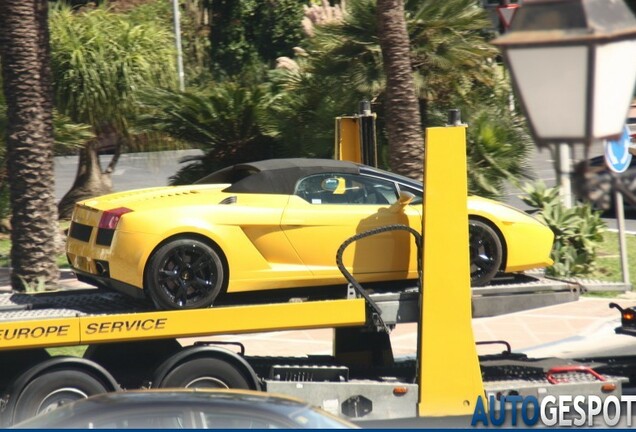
(184, 274)
(486, 253)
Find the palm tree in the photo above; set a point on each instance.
(68, 138)
(449, 50)
(300, 115)
(404, 130)
(498, 151)
(24, 48)
(225, 122)
(101, 60)
(453, 67)
(452, 55)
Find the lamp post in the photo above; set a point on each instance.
(176, 18)
(573, 67)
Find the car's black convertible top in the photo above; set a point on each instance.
(275, 176)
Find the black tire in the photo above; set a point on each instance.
(486, 253)
(54, 389)
(184, 274)
(131, 363)
(205, 373)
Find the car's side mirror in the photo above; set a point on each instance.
(404, 199)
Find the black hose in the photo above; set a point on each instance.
(375, 309)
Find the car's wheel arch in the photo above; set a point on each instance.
(502, 238)
(194, 236)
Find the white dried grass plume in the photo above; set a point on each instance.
(287, 64)
(321, 14)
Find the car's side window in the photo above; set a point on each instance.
(336, 188)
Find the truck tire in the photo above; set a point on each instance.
(53, 389)
(184, 274)
(205, 373)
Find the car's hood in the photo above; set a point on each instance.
(498, 211)
(151, 198)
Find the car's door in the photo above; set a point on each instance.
(327, 209)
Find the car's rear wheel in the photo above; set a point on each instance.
(486, 253)
(184, 274)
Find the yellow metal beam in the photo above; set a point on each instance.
(449, 372)
(177, 324)
(348, 145)
(39, 333)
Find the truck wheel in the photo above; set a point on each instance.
(205, 373)
(486, 253)
(184, 274)
(52, 390)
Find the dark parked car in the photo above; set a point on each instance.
(595, 184)
(186, 409)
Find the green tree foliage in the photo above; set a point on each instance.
(249, 33)
(342, 64)
(224, 121)
(498, 150)
(451, 53)
(301, 114)
(194, 23)
(578, 231)
(100, 61)
(69, 137)
(453, 65)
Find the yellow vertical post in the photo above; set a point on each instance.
(348, 146)
(449, 372)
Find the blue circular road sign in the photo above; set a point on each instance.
(617, 155)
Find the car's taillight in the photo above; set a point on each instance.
(110, 218)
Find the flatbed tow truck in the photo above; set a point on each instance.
(131, 346)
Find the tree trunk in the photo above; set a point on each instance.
(90, 180)
(25, 52)
(404, 129)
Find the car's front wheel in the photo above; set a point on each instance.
(184, 274)
(486, 253)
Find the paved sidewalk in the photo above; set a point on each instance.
(539, 332)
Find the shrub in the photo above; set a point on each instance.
(578, 231)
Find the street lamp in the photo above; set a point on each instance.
(573, 67)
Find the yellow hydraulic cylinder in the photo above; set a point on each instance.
(449, 373)
(348, 146)
(355, 137)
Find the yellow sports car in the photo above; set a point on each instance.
(277, 224)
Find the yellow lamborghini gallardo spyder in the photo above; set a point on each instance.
(277, 224)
